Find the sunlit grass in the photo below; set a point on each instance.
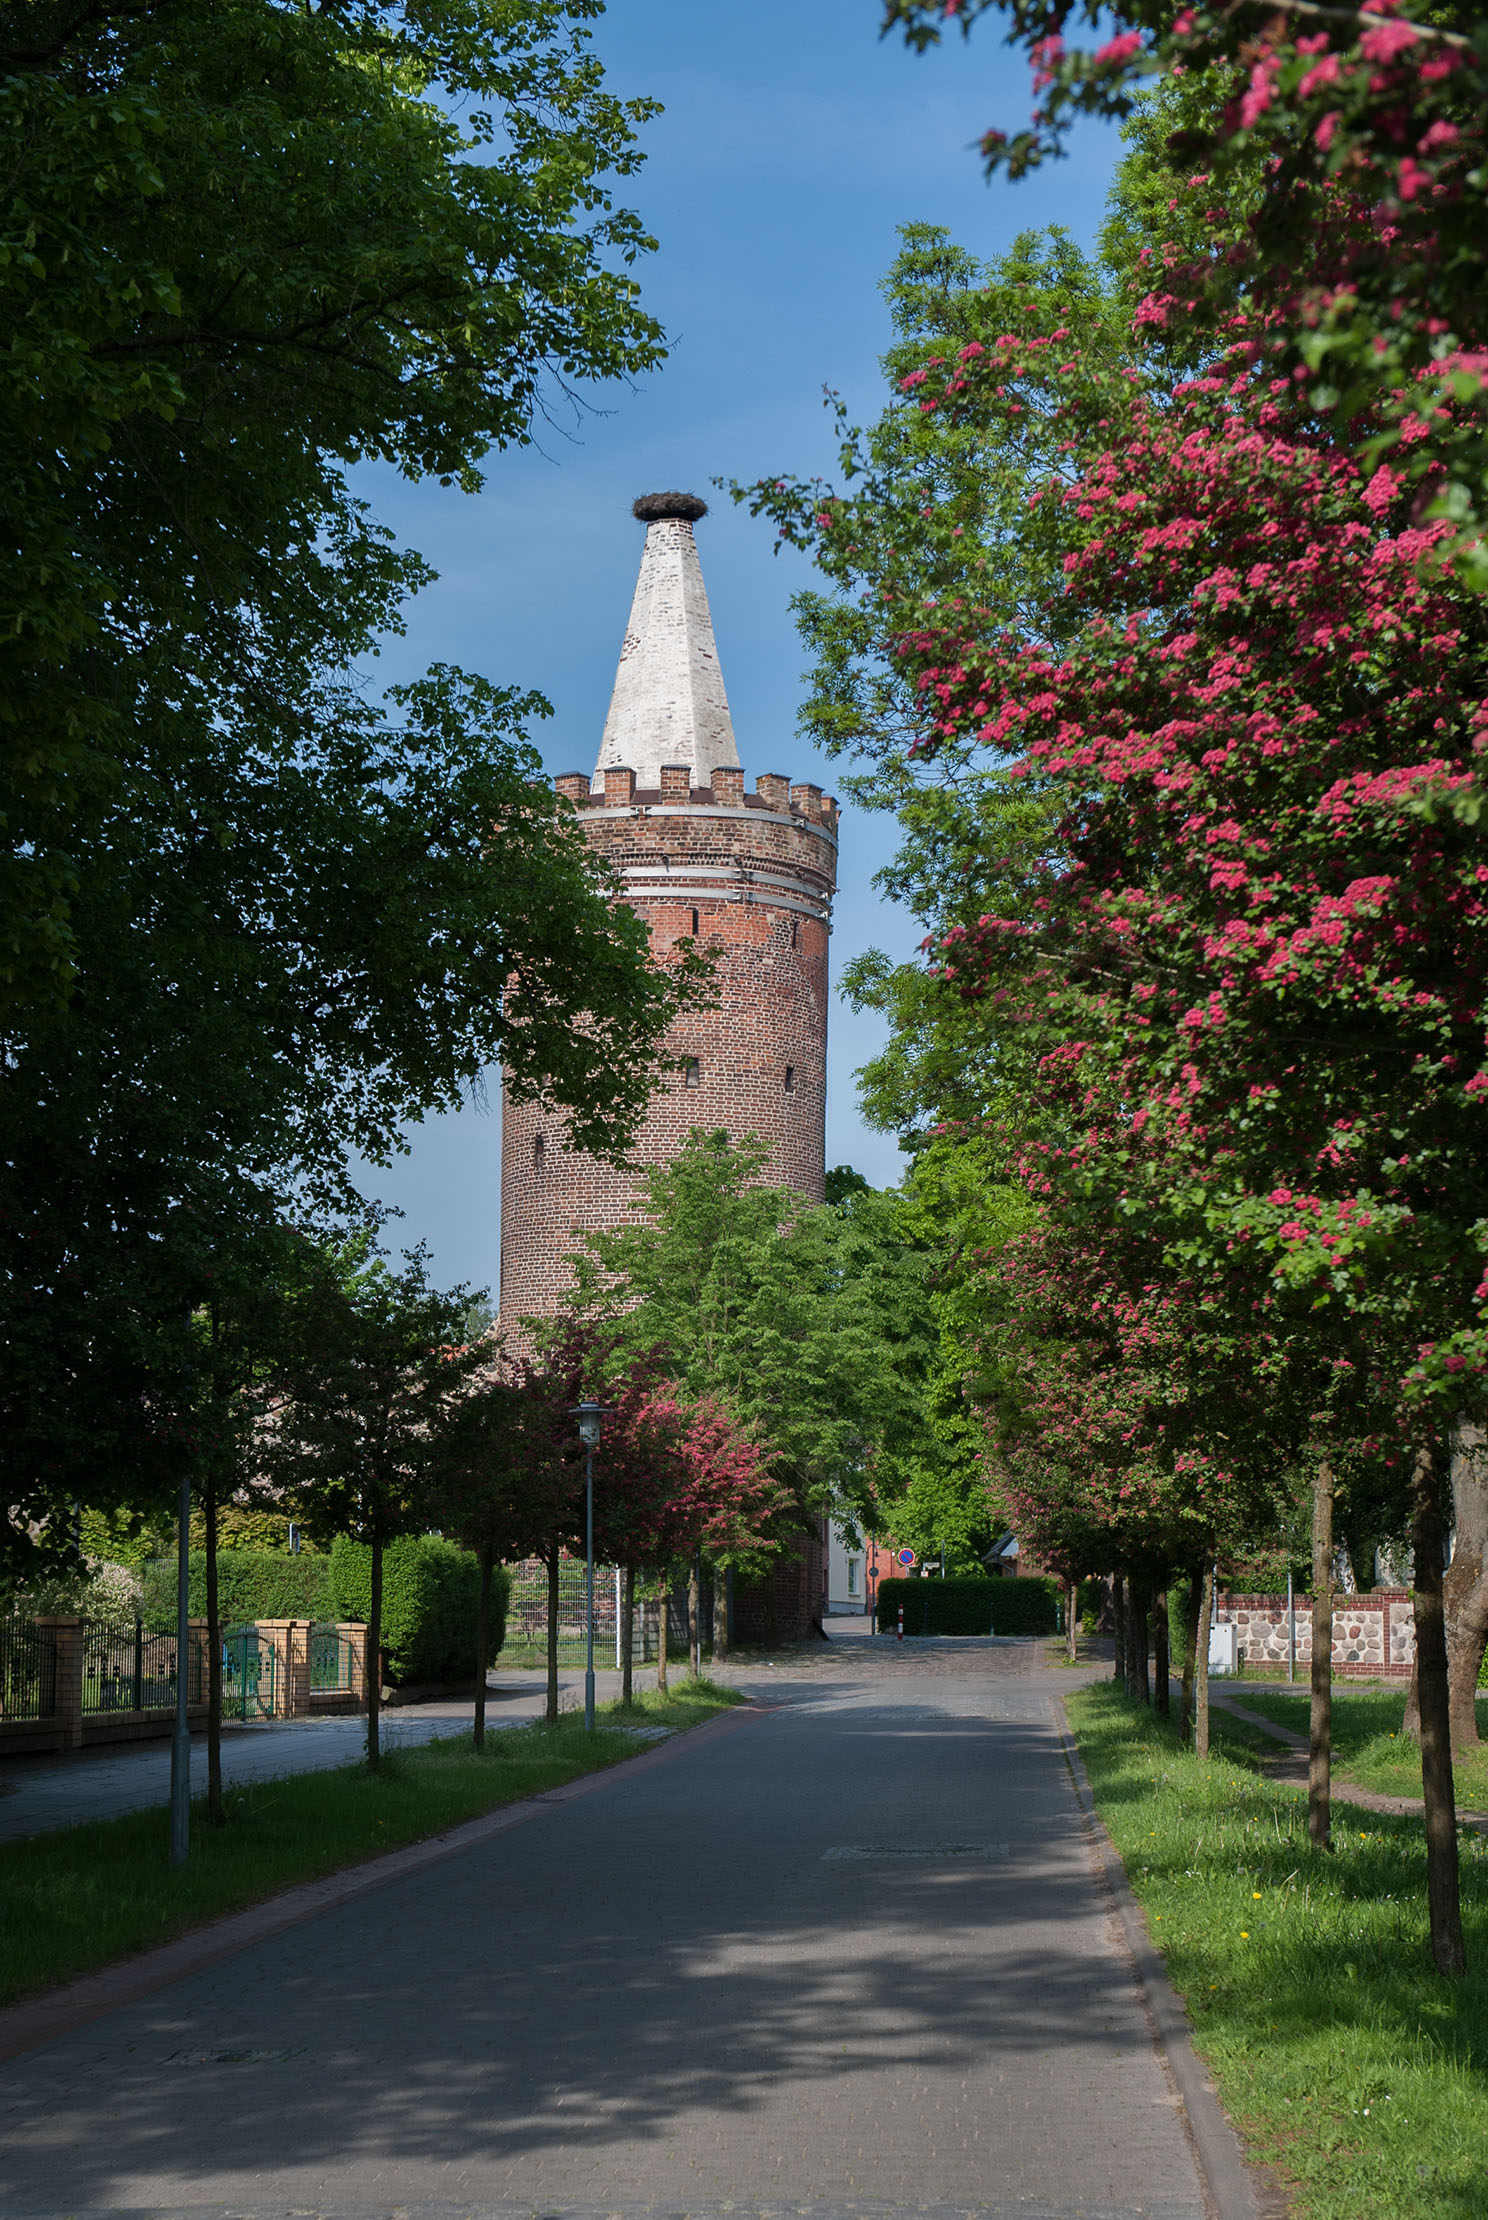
(1368, 1746)
(1341, 2056)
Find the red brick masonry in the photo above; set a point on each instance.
(757, 872)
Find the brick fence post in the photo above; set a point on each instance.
(67, 1638)
(198, 1660)
(354, 1634)
(277, 1636)
(296, 1668)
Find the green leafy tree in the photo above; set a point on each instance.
(253, 246)
(251, 918)
(369, 1378)
(809, 1325)
(505, 1480)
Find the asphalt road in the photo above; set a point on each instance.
(848, 1958)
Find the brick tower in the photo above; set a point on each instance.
(748, 875)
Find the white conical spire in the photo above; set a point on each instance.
(669, 705)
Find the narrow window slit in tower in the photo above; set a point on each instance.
(694, 924)
(691, 1075)
(539, 1150)
(795, 932)
(790, 1079)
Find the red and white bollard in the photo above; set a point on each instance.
(901, 1622)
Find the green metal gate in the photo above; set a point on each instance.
(248, 1674)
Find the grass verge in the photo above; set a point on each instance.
(1341, 2057)
(82, 1897)
(1368, 1746)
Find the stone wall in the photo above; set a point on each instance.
(750, 876)
(1374, 1636)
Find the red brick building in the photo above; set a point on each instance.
(749, 875)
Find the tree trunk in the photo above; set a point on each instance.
(1442, 1891)
(374, 1656)
(695, 1613)
(551, 1556)
(1118, 1614)
(1192, 1605)
(627, 1639)
(1141, 1639)
(1201, 1664)
(722, 1575)
(1161, 1668)
(482, 1644)
(1071, 1627)
(1465, 1582)
(1320, 1720)
(663, 1615)
(215, 1812)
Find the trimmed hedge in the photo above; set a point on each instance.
(984, 1606)
(934, 1606)
(430, 1590)
(1027, 1604)
(251, 1584)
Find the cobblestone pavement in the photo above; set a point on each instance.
(848, 1962)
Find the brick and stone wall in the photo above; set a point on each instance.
(1374, 1636)
(751, 876)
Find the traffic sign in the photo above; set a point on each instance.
(905, 1556)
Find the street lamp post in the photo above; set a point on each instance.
(591, 1418)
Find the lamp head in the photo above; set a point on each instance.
(591, 1418)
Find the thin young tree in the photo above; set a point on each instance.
(504, 1479)
(373, 1358)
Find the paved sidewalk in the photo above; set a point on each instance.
(40, 1793)
(849, 1960)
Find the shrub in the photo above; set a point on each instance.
(984, 1606)
(430, 1590)
(933, 1606)
(1027, 1605)
(251, 1584)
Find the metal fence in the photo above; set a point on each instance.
(250, 1670)
(128, 1668)
(527, 1614)
(28, 1671)
(335, 1662)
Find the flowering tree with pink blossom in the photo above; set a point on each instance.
(1345, 147)
(1251, 972)
(1231, 1006)
(673, 1474)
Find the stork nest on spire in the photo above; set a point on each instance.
(653, 506)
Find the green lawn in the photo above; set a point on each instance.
(81, 1897)
(1341, 2057)
(1368, 1747)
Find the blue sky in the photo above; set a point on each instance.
(793, 145)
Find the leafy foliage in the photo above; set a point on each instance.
(251, 1584)
(251, 918)
(1340, 152)
(809, 1327)
(428, 1605)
